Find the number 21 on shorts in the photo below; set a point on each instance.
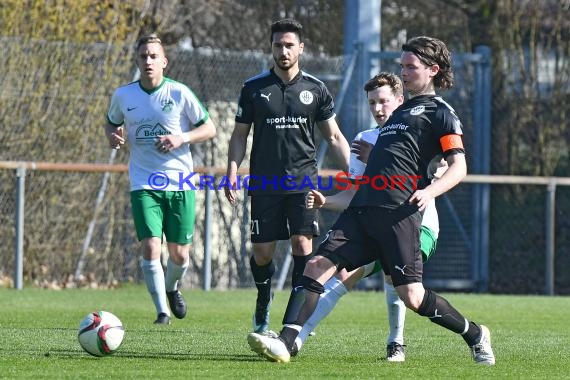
(255, 227)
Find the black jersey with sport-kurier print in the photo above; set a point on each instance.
(283, 153)
(418, 130)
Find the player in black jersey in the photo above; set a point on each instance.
(383, 219)
(284, 105)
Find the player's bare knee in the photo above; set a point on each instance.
(262, 259)
(179, 253)
(410, 304)
(412, 295)
(317, 266)
(263, 253)
(301, 245)
(151, 248)
(179, 257)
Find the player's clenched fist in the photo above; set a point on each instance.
(315, 199)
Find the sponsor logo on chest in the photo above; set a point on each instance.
(146, 133)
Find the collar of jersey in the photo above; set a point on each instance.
(295, 78)
(154, 89)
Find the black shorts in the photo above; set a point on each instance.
(277, 217)
(362, 235)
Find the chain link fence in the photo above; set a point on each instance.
(58, 100)
(53, 103)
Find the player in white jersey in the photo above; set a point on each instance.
(385, 94)
(160, 118)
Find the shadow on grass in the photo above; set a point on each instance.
(71, 354)
(78, 353)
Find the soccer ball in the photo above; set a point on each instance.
(100, 333)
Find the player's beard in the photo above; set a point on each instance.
(292, 62)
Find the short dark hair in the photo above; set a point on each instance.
(385, 79)
(432, 51)
(286, 26)
(148, 39)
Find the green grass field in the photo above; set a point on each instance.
(38, 338)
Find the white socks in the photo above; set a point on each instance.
(154, 279)
(334, 290)
(174, 273)
(396, 314)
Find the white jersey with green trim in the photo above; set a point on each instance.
(170, 109)
(356, 167)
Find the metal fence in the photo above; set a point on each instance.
(112, 257)
(48, 119)
(64, 207)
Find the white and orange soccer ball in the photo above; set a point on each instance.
(100, 333)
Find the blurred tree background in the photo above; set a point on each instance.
(63, 58)
(529, 40)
